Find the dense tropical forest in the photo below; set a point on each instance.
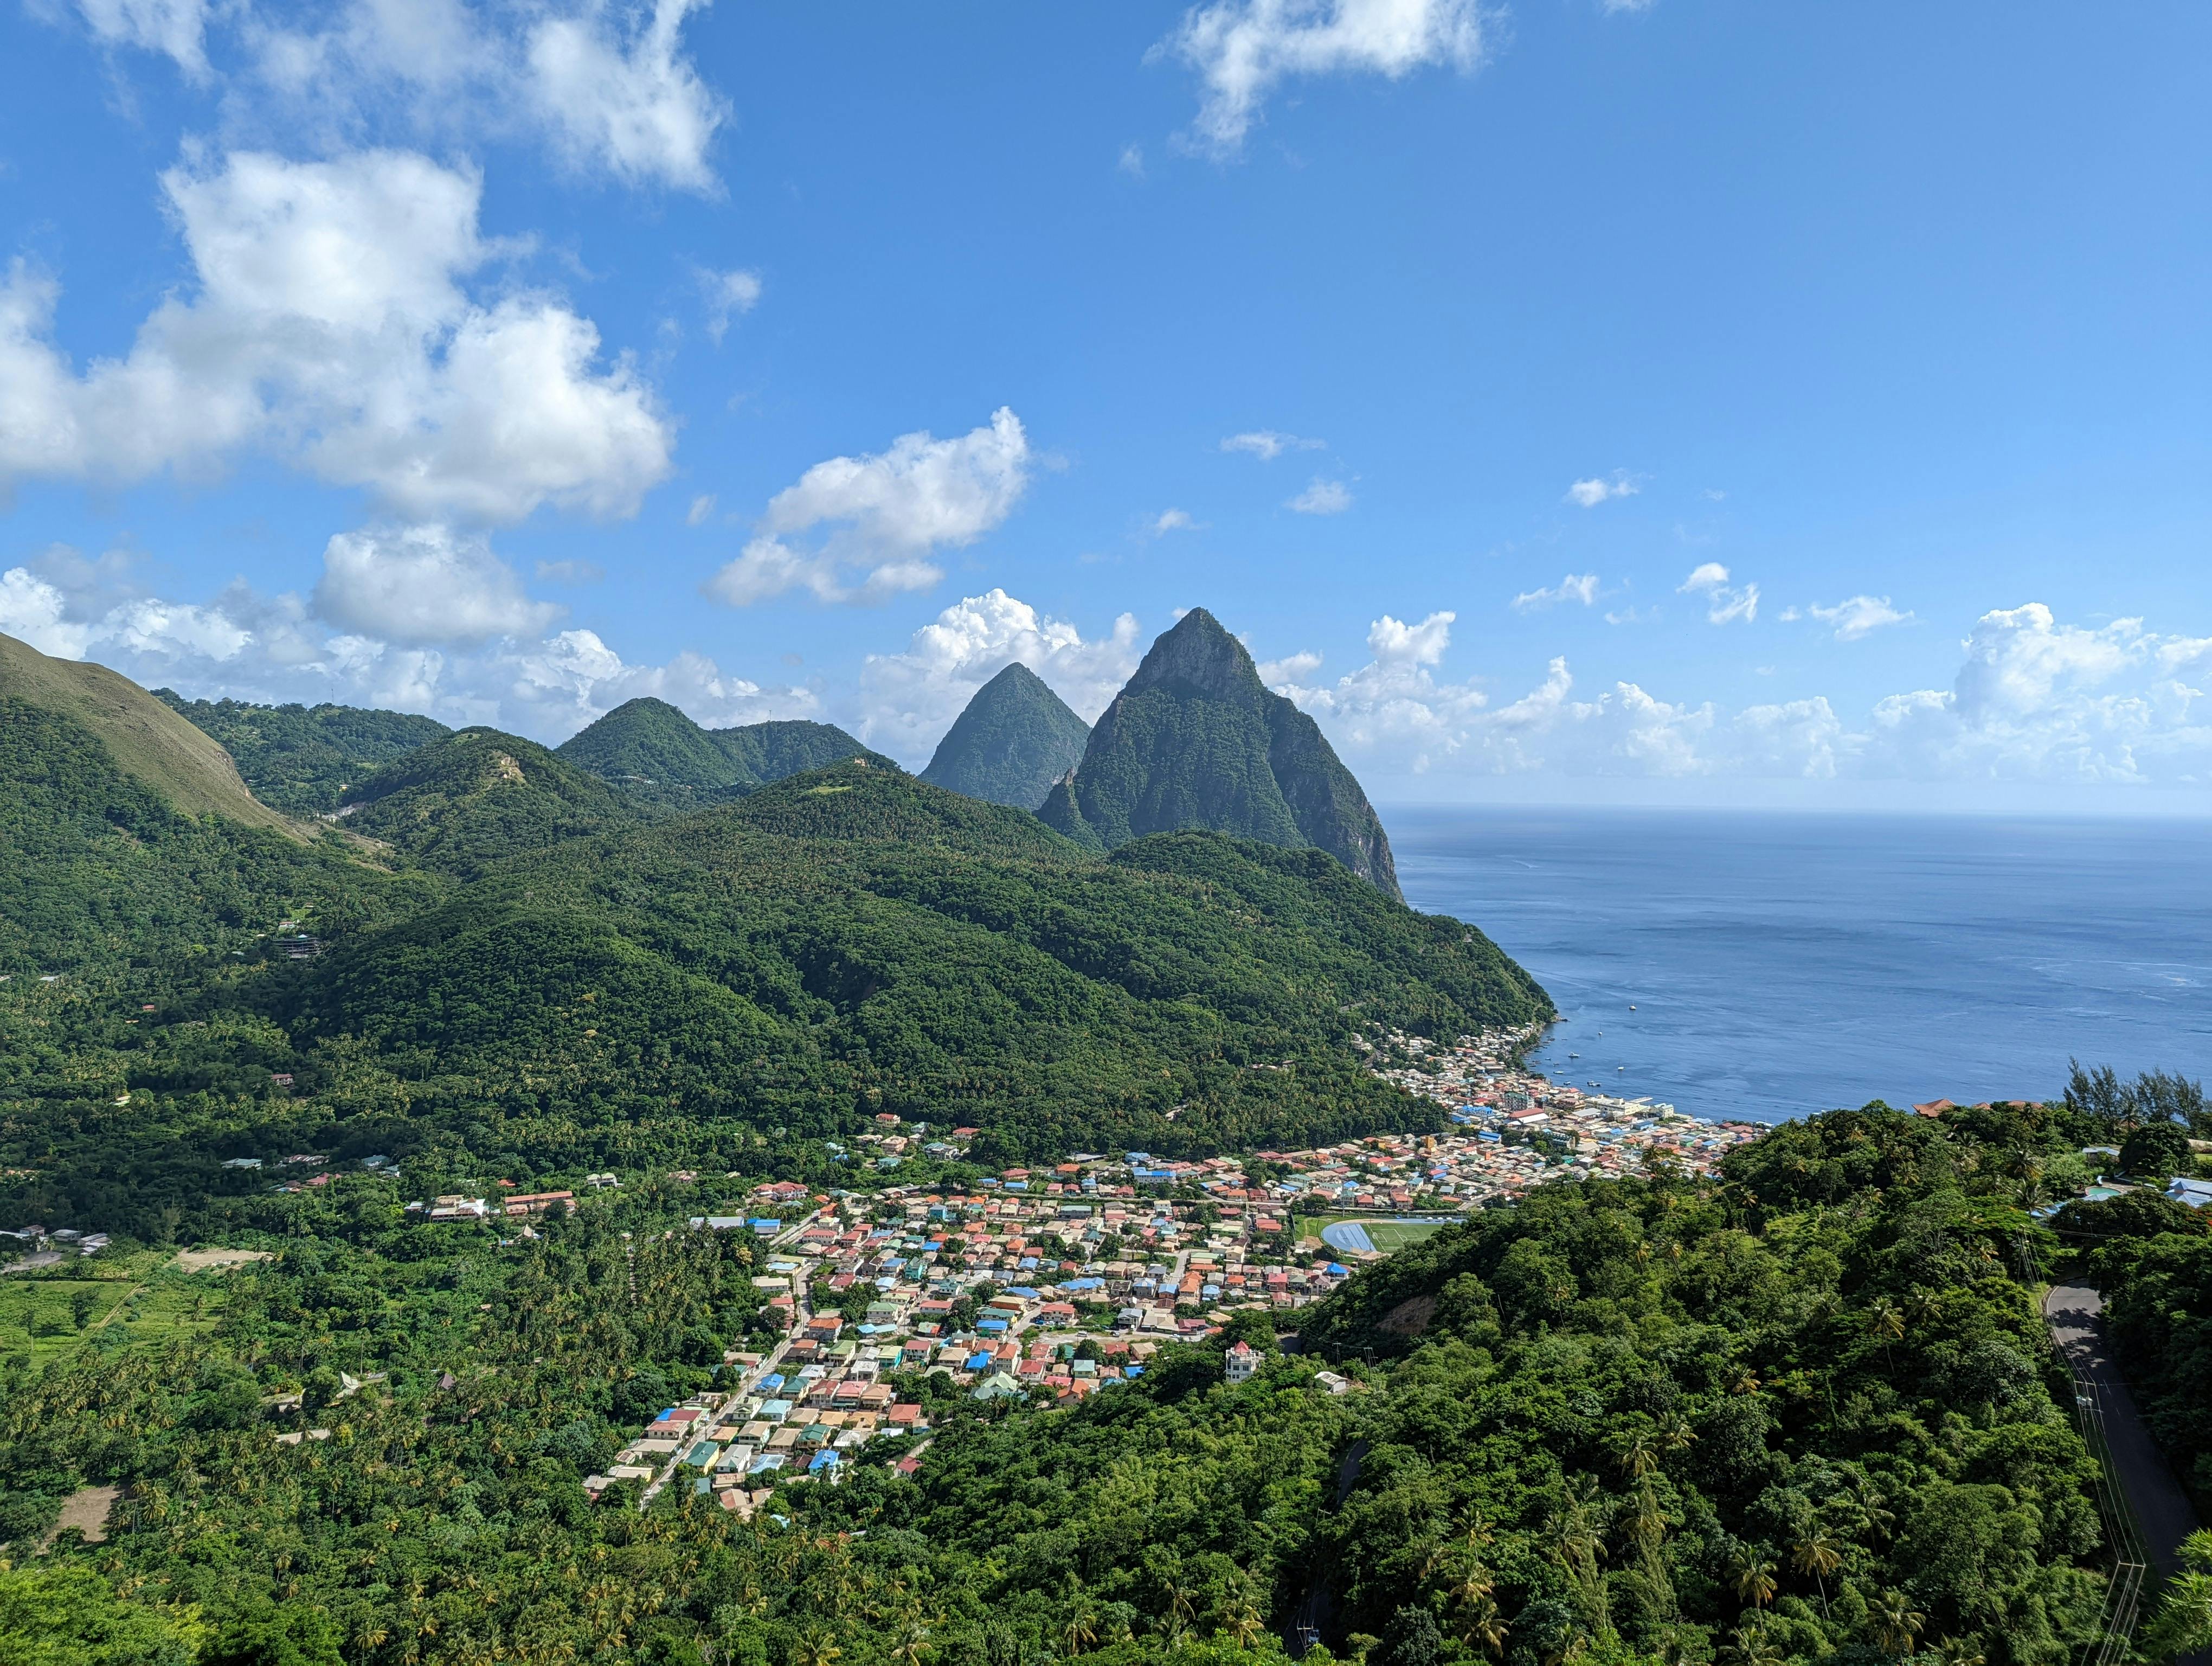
(300, 759)
(1805, 1412)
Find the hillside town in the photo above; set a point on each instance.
(1060, 1281)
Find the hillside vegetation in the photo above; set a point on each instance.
(300, 759)
(477, 797)
(1803, 1415)
(853, 941)
(555, 979)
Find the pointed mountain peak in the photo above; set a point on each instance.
(1195, 739)
(1015, 738)
(1200, 654)
(1015, 676)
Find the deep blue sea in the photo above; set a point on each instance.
(1780, 963)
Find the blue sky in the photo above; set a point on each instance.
(1677, 401)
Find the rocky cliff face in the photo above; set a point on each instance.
(1196, 740)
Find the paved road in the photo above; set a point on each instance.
(2161, 1508)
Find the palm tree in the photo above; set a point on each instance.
(1240, 1619)
(1082, 1629)
(1180, 1611)
(1884, 1321)
(1897, 1622)
(1471, 1583)
(817, 1649)
(1754, 1581)
(1749, 1645)
(1955, 1652)
(1818, 1554)
(1481, 1626)
(1638, 1456)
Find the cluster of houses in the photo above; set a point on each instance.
(60, 1239)
(1514, 1128)
(1072, 1257)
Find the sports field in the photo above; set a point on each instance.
(1364, 1233)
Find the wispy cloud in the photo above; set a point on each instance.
(1172, 521)
(1322, 497)
(728, 295)
(1853, 617)
(1267, 445)
(1575, 588)
(1242, 48)
(1725, 602)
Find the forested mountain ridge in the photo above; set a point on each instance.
(130, 848)
(553, 982)
(101, 877)
(654, 754)
(853, 941)
(1012, 741)
(1195, 739)
(300, 759)
(478, 796)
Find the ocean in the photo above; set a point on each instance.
(1765, 966)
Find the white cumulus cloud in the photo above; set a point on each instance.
(879, 518)
(34, 611)
(1588, 494)
(1574, 588)
(1242, 48)
(909, 699)
(2033, 699)
(246, 646)
(329, 327)
(418, 585)
(617, 93)
(607, 86)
